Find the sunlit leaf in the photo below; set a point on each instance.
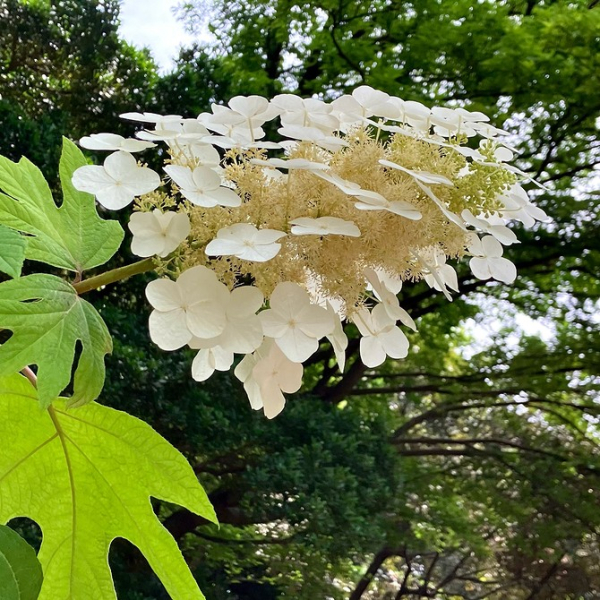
(86, 476)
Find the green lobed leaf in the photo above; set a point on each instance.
(47, 319)
(90, 473)
(71, 236)
(12, 251)
(20, 570)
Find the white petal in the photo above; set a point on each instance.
(203, 365)
(242, 335)
(224, 197)
(164, 295)
(115, 197)
(273, 399)
(273, 325)
(260, 253)
(145, 246)
(268, 236)
(245, 300)
(91, 179)
(177, 231)
(223, 358)
(372, 353)
(296, 345)
(182, 176)
(394, 343)
(221, 247)
(491, 246)
(503, 270)
(168, 330)
(315, 321)
(480, 268)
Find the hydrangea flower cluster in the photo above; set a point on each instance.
(267, 248)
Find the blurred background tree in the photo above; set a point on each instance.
(469, 470)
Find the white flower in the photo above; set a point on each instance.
(182, 132)
(443, 208)
(517, 206)
(157, 232)
(294, 322)
(324, 226)
(194, 305)
(338, 338)
(502, 233)
(312, 134)
(202, 186)
(149, 117)
(488, 262)
(364, 102)
(381, 336)
(397, 207)
(116, 184)
(414, 113)
(244, 117)
(370, 200)
(243, 332)
(388, 299)
(308, 112)
(265, 375)
(293, 163)
(209, 360)
(422, 176)
(246, 242)
(439, 275)
(112, 142)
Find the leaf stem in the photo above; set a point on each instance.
(30, 375)
(114, 275)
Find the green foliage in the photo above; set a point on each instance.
(90, 473)
(64, 69)
(71, 236)
(12, 251)
(47, 319)
(20, 571)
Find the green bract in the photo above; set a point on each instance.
(12, 251)
(20, 570)
(89, 475)
(47, 319)
(71, 236)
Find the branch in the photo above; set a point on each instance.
(371, 572)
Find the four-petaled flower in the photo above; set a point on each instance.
(324, 226)
(380, 336)
(265, 375)
(294, 322)
(245, 241)
(487, 261)
(112, 142)
(194, 305)
(118, 182)
(202, 186)
(158, 233)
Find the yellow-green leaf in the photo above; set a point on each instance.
(86, 476)
(71, 236)
(47, 319)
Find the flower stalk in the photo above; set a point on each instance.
(114, 275)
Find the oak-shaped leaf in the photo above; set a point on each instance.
(47, 319)
(85, 476)
(20, 570)
(12, 251)
(71, 236)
